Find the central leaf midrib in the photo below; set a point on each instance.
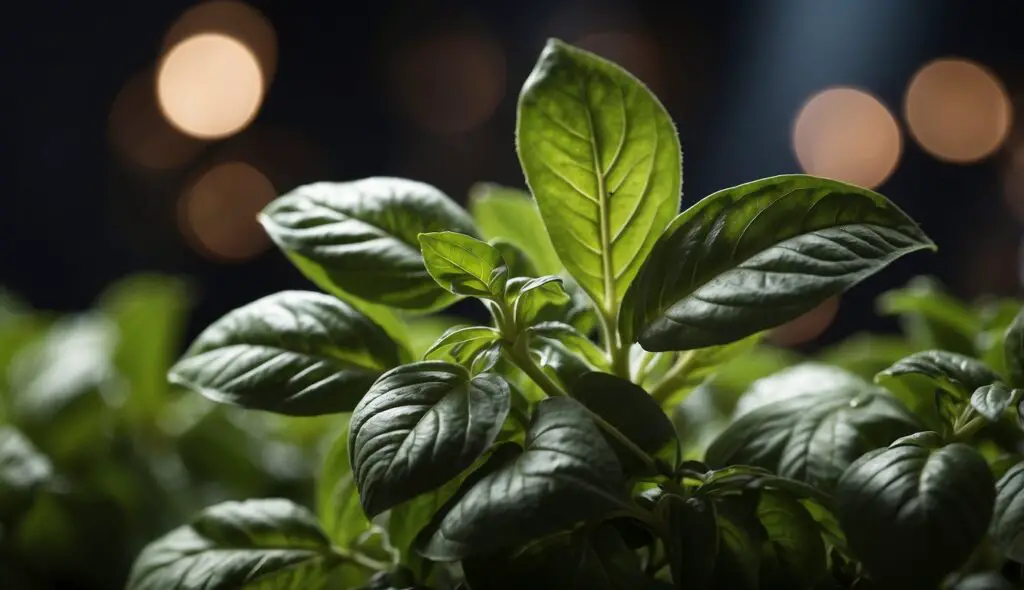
(602, 209)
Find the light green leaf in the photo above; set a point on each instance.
(992, 400)
(1008, 518)
(740, 540)
(565, 474)
(546, 333)
(673, 383)
(758, 255)
(914, 513)
(23, 471)
(463, 346)
(464, 265)
(517, 261)
(1014, 350)
(534, 296)
(930, 317)
(794, 551)
(419, 426)
(360, 237)
(337, 499)
(253, 544)
(423, 331)
(923, 371)
(294, 352)
(866, 354)
(602, 158)
(511, 214)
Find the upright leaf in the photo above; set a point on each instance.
(915, 511)
(294, 352)
(510, 214)
(463, 345)
(252, 544)
(1008, 517)
(464, 265)
(1014, 350)
(992, 400)
(602, 158)
(535, 295)
(419, 426)
(337, 499)
(760, 254)
(360, 237)
(565, 474)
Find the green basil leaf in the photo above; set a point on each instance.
(693, 367)
(406, 520)
(817, 424)
(1008, 517)
(992, 400)
(337, 499)
(1014, 350)
(252, 544)
(360, 237)
(692, 542)
(958, 374)
(930, 317)
(628, 408)
(741, 537)
(464, 265)
(535, 295)
(866, 354)
(565, 474)
(758, 255)
(23, 471)
(914, 513)
(424, 331)
(573, 341)
(462, 345)
(511, 214)
(517, 261)
(603, 160)
(294, 352)
(419, 426)
(795, 551)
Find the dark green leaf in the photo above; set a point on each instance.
(760, 254)
(565, 474)
(602, 158)
(253, 544)
(510, 214)
(337, 499)
(795, 551)
(294, 352)
(462, 345)
(535, 295)
(419, 426)
(517, 261)
(958, 374)
(914, 513)
(1008, 518)
(692, 542)
(23, 471)
(360, 237)
(809, 423)
(992, 400)
(740, 540)
(1014, 350)
(463, 264)
(628, 408)
(930, 317)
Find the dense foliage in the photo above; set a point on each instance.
(618, 424)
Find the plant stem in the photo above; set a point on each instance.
(618, 355)
(970, 428)
(646, 358)
(664, 388)
(361, 560)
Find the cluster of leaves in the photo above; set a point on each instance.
(538, 451)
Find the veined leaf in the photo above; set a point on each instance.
(360, 237)
(463, 345)
(571, 339)
(754, 256)
(294, 352)
(419, 426)
(253, 544)
(337, 499)
(535, 295)
(1008, 518)
(794, 552)
(464, 265)
(957, 374)
(565, 474)
(602, 158)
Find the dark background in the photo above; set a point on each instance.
(77, 214)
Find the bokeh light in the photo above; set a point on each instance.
(140, 133)
(233, 19)
(957, 110)
(450, 82)
(847, 134)
(217, 213)
(210, 86)
(806, 327)
(636, 53)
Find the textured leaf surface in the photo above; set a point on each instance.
(958, 374)
(360, 237)
(992, 400)
(463, 345)
(294, 352)
(1008, 518)
(914, 513)
(254, 544)
(419, 426)
(760, 254)
(602, 158)
(463, 264)
(566, 473)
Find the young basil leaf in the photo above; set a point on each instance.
(511, 214)
(603, 160)
(337, 499)
(360, 237)
(294, 352)
(930, 317)
(23, 471)
(463, 345)
(565, 474)
(419, 426)
(913, 513)
(576, 343)
(692, 543)
(1007, 528)
(557, 359)
(1014, 350)
(760, 254)
(628, 408)
(813, 430)
(270, 543)
(517, 261)
(992, 400)
(958, 374)
(535, 295)
(795, 552)
(464, 265)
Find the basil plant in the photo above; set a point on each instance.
(538, 451)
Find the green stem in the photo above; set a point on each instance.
(361, 560)
(646, 358)
(665, 387)
(618, 355)
(969, 429)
